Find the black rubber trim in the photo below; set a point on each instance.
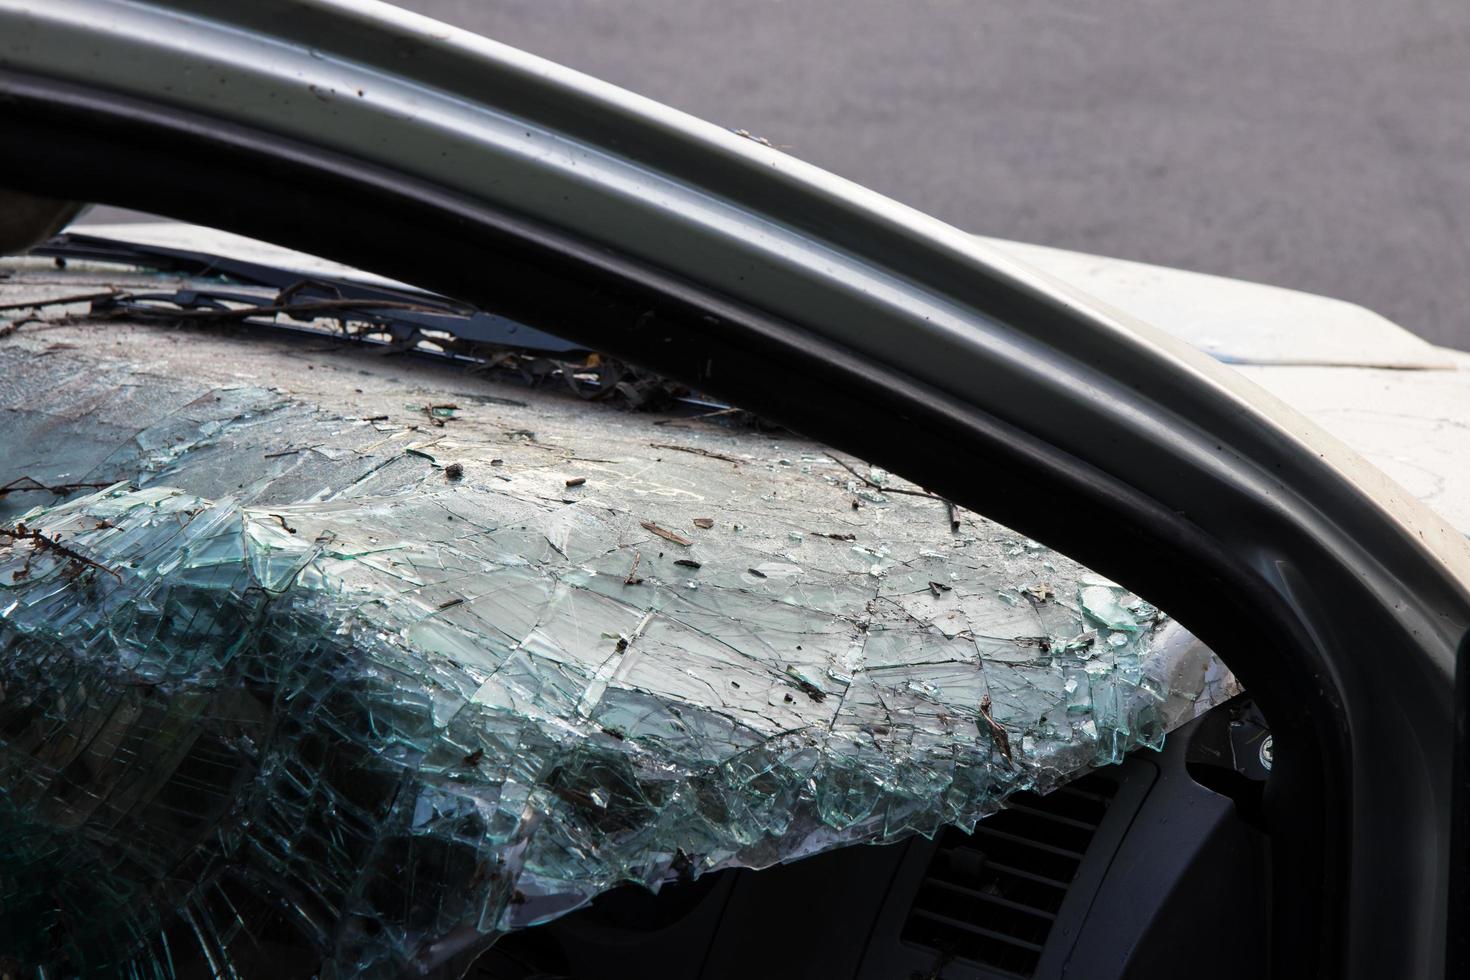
(66, 141)
(1457, 953)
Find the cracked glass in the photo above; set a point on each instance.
(305, 649)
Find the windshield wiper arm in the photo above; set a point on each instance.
(410, 309)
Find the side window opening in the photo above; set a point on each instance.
(345, 609)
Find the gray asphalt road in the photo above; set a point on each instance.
(1318, 144)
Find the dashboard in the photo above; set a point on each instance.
(1149, 868)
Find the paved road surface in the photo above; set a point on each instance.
(1318, 144)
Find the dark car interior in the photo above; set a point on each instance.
(1156, 867)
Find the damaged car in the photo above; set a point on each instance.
(500, 526)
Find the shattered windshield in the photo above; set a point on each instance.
(364, 655)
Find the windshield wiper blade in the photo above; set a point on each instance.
(401, 310)
(456, 331)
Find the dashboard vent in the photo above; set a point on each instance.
(991, 897)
